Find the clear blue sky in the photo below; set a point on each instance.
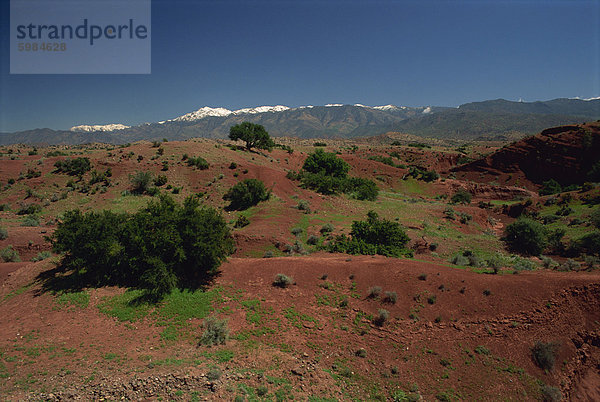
(238, 54)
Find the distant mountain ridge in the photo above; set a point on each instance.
(493, 119)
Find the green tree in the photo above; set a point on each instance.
(526, 236)
(550, 187)
(245, 194)
(254, 135)
(328, 163)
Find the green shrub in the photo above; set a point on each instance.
(9, 254)
(245, 194)
(550, 187)
(588, 243)
(31, 221)
(140, 182)
(42, 255)
(283, 281)
(297, 231)
(374, 292)
(544, 354)
(327, 163)
(382, 316)
(361, 353)
(199, 162)
(373, 236)
(233, 165)
(461, 197)
(526, 236)
(595, 217)
(327, 228)
(303, 205)
(522, 264)
(319, 144)
(241, 222)
(3, 234)
(361, 189)
(161, 180)
(550, 394)
(158, 248)
(548, 262)
(30, 209)
(73, 167)
(312, 240)
(215, 332)
(390, 297)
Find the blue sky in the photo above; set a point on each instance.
(249, 53)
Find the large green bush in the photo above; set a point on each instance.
(526, 236)
(73, 167)
(550, 187)
(245, 194)
(254, 135)
(326, 173)
(160, 247)
(373, 236)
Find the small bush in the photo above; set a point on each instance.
(30, 209)
(361, 353)
(268, 254)
(461, 197)
(215, 332)
(422, 277)
(374, 292)
(381, 318)
(73, 167)
(42, 255)
(312, 240)
(390, 297)
(327, 228)
(595, 217)
(140, 182)
(3, 234)
(548, 262)
(449, 213)
(198, 162)
(297, 231)
(213, 374)
(550, 187)
(544, 354)
(550, 394)
(31, 221)
(432, 299)
(233, 165)
(283, 281)
(241, 222)
(487, 292)
(161, 180)
(522, 264)
(303, 205)
(588, 243)
(569, 265)
(459, 259)
(9, 254)
(526, 236)
(245, 194)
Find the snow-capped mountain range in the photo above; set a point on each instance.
(208, 111)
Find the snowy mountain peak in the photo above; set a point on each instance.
(98, 127)
(261, 109)
(388, 107)
(204, 112)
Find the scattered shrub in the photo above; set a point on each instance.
(550, 394)
(487, 292)
(588, 243)
(327, 228)
(233, 165)
(550, 187)
(303, 205)
(161, 180)
(449, 213)
(245, 194)
(595, 217)
(215, 332)
(544, 354)
(432, 299)
(9, 254)
(30, 209)
(241, 222)
(381, 318)
(526, 236)
(569, 265)
(319, 144)
(3, 234)
(73, 167)
(390, 297)
(461, 197)
(297, 231)
(42, 255)
(422, 277)
(140, 182)
(522, 264)
(198, 162)
(374, 292)
(268, 254)
(361, 353)
(31, 221)
(283, 281)
(548, 262)
(312, 240)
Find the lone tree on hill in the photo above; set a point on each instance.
(254, 135)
